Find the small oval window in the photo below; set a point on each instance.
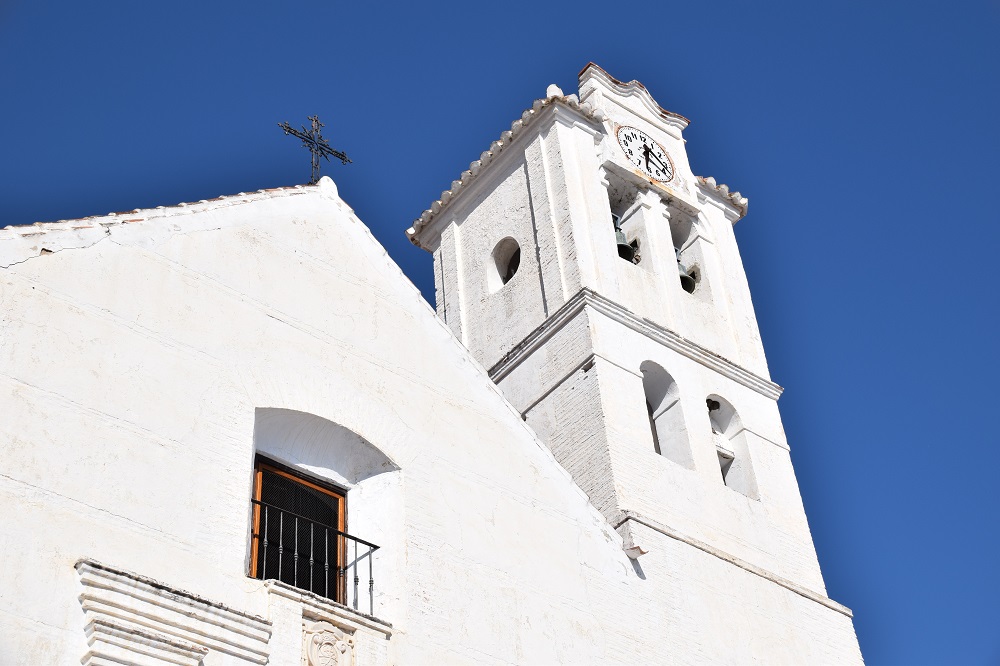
(506, 261)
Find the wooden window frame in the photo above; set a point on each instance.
(260, 465)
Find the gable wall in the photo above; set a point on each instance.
(130, 374)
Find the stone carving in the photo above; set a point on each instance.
(327, 645)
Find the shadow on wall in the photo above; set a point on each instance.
(318, 446)
(666, 420)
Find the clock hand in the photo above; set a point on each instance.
(663, 165)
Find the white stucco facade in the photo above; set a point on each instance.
(497, 452)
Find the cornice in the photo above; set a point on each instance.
(112, 642)
(588, 298)
(632, 89)
(733, 199)
(119, 602)
(319, 608)
(554, 98)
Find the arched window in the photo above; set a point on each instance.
(666, 420)
(506, 259)
(729, 438)
(322, 498)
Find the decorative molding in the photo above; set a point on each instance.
(161, 624)
(112, 644)
(631, 89)
(589, 298)
(732, 559)
(320, 609)
(324, 644)
(770, 441)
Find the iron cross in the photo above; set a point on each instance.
(317, 145)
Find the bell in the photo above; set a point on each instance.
(625, 251)
(687, 280)
(686, 276)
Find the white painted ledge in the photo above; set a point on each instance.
(732, 559)
(319, 608)
(149, 620)
(589, 298)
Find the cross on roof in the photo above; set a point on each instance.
(317, 145)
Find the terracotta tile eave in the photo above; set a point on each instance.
(735, 199)
(144, 214)
(506, 138)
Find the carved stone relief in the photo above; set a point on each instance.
(326, 645)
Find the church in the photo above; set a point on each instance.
(234, 432)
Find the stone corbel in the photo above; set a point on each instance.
(633, 549)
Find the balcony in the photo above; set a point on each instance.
(312, 555)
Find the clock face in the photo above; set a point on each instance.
(645, 154)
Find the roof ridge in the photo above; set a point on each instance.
(143, 214)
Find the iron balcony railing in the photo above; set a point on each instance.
(304, 553)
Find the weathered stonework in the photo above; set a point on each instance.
(136, 619)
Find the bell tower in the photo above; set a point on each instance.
(599, 281)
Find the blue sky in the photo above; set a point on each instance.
(864, 134)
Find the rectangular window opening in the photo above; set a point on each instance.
(298, 534)
(725, 463)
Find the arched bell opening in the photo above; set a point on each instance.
(666, 418)
(622, 197)
(729, 438)
(682, 233)
(627, 249)
(689, 276)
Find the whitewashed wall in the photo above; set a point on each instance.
(136, 356)
(567, 338)
(549, 191)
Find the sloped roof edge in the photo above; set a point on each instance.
(183, 208)
(738, 201)
(553, 96)
(22, 242)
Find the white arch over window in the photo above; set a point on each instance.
(372, 482)
(318, 446)
(729, 438)
(666, 418)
